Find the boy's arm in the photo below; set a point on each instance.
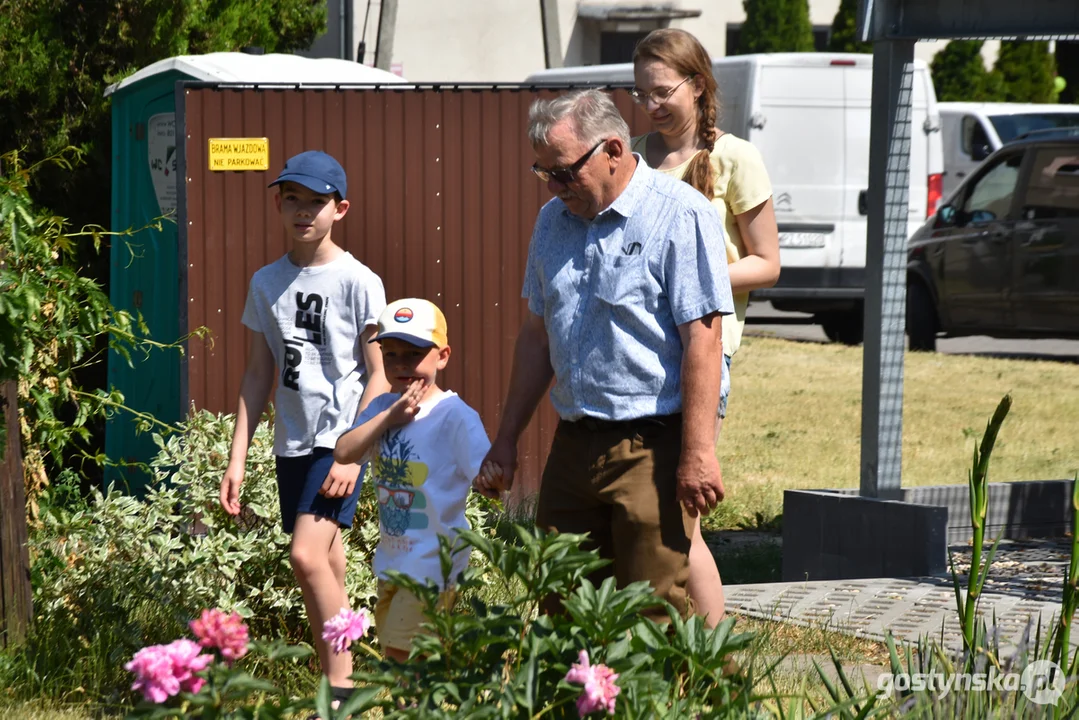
(341, 480)
(376, 374)
(354, 444)
(254, 392)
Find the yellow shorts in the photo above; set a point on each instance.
(399, 614)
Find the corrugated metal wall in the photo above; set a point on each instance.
(442, 207)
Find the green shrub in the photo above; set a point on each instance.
(504, 660)
(54, 322)
(501, 660)
(120, 573)
(959, 73)
(775, 26)
(1025, 70)
(845, 30)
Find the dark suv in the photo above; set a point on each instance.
(1001, 257)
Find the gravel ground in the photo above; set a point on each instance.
(1038, 566)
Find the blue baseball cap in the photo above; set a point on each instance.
(316, 171)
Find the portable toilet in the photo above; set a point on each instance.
(145, 268)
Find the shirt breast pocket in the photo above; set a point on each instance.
(622, 279)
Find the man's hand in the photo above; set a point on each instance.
(341, 481)
(497, 469)
(700, 482)
(230, 488)
(404, 410)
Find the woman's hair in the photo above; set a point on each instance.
(684, 54)
(594, 114)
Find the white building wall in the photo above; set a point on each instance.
(502, 40)
(476, 41)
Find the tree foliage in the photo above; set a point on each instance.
(959, 74)
(1026, 70)
(58, 58)
(776, 26)
(53, 321)
(845, 30)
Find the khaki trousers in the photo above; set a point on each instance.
(616, 481)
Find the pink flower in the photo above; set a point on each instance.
(599, 688)
(162, 671)
(344, 628)
(227, 633)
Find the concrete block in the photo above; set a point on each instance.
(1017, 510)
(837, 536)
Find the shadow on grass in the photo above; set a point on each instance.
(746, 556)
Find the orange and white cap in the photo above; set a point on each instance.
(413, 320)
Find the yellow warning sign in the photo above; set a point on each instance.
(239, 154)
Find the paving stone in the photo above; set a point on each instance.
(1024, 586)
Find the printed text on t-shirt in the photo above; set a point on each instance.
(310, 320)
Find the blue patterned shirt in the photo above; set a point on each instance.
(613, 291)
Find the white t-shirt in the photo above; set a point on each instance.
(312, 318)
(423, 471)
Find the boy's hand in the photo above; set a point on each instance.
(490, 481)
(341, 481)
(501, 463)
(230, 488)
(404, 410)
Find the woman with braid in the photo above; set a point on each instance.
(674, 84)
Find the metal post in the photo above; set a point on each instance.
(885, 268)
(15, 591)
(387, 26)
(342, 50)
(552, 34)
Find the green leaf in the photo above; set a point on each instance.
(324, 699)
(243, 683)
(362, 700)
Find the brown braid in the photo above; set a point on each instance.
(699, 172)
(682, 52)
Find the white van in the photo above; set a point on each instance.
(971, 131)
(808, 114)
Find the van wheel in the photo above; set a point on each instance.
(843, 326)
(921, 318)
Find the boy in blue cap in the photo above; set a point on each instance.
(311, 314)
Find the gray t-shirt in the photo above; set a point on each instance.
(312, 318)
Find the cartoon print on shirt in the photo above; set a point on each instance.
(309, 326)
(397, 479)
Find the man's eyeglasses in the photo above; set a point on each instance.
(658, 96)
(569, 174)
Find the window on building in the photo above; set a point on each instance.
(617, 47)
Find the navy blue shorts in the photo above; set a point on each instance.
(298, 482)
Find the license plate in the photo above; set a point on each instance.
(801, 240)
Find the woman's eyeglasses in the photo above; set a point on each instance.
(569, 174)
(658, 96)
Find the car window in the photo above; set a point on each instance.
(1053, 189)
(1009, 127)
(973, 135)
(991, 196)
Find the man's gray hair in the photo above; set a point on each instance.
(593, 112)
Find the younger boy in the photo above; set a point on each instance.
(310, 313)
(426, 445)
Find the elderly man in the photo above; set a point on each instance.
(626, 280)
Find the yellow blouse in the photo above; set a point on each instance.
(741, 184)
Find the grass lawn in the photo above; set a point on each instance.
(794, 422)
(45, 710)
